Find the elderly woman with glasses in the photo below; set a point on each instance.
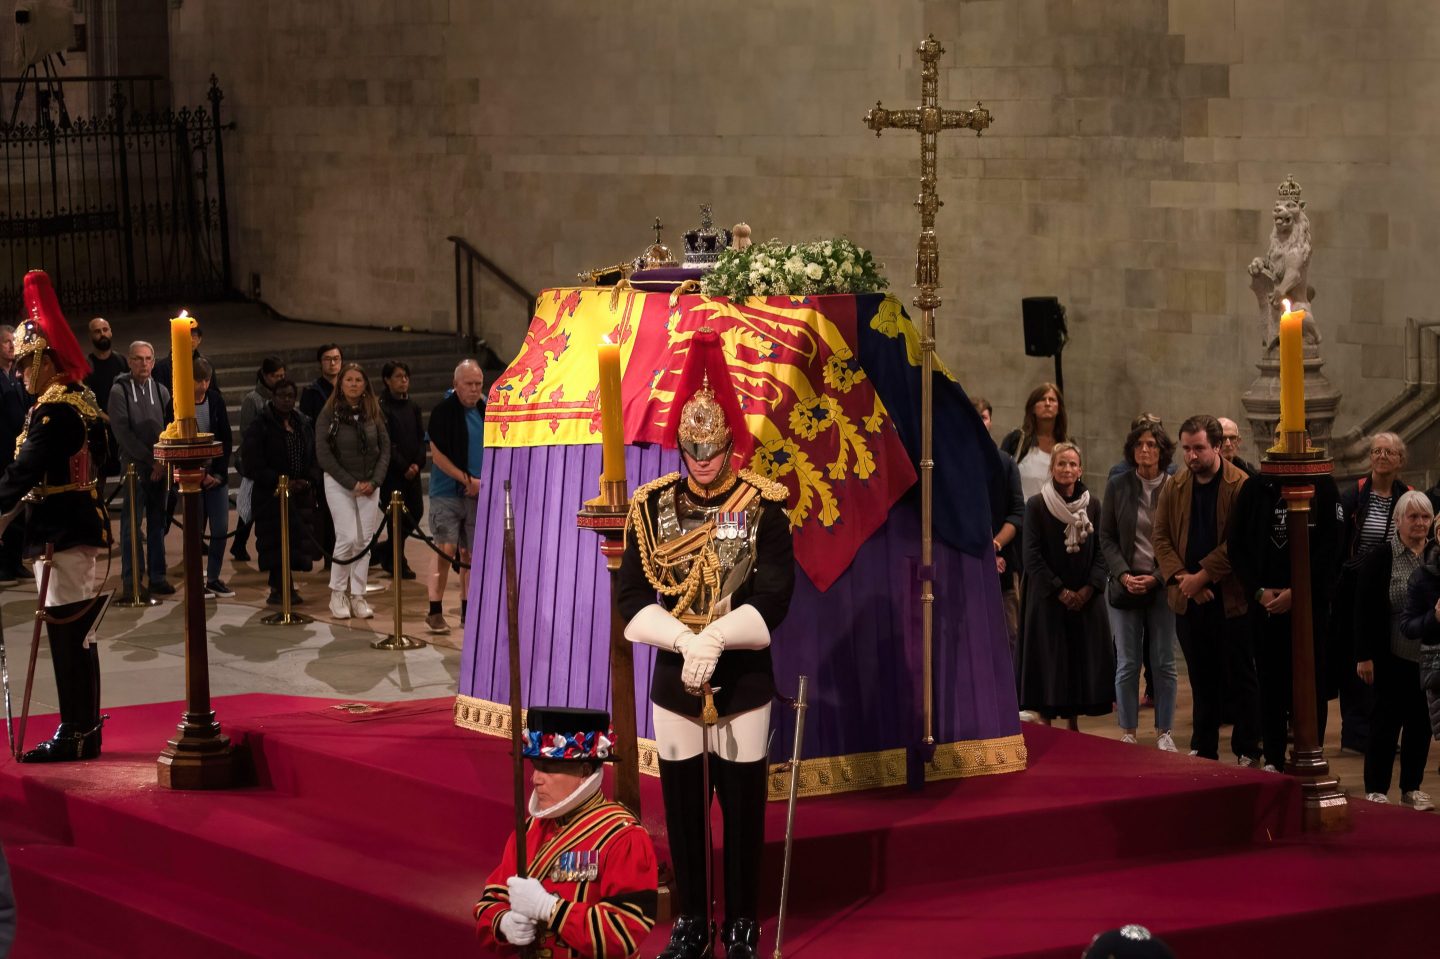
(1369, 521)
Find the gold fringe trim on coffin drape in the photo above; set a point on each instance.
(824, 776)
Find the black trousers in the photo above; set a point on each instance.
(1218, 658)
(741, 788)
(1401, 717)
(1274, 667)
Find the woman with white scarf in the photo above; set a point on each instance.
(1066, 661)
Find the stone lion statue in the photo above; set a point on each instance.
(1283, 272)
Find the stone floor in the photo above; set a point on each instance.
(143, 654)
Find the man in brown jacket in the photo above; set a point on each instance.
(1192, 526)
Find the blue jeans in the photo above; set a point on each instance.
(1129, 627)
(150, 513)
(215, 506)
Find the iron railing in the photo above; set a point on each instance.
(124, 208)
(467, 322)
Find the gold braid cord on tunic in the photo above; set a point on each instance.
(691, 565)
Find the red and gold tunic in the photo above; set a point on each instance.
(599, 861)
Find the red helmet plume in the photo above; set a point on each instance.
(44, 327)
(705, 412)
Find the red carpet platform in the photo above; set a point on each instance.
(370, 835)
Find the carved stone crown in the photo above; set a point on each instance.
(1289, 191)
(703, 246)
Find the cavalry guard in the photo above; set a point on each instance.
(60, 452)
(707, 574)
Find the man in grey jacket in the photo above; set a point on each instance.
(137, 411)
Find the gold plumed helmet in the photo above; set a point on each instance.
(29, 339)
(704, 430)
(710, 420)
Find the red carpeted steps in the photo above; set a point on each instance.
(371, 834)
(119, 907)
(1368, 893)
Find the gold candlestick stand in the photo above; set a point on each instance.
(200, 756)
(606, 515)
(1295, 464)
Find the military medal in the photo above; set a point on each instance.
(576, 866)
(730, 524)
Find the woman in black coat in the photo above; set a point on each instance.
(281, 442)
(1067, 660)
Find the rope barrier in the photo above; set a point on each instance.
(455, 562)
(335, 560)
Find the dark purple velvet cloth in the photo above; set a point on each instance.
(663, 279)
(859, 642)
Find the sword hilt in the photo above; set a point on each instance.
(709, 715)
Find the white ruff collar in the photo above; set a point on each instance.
(588, 787)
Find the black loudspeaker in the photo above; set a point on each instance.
(1045, 332)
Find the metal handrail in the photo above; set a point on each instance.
(466, 259)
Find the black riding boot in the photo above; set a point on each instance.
(77, 682)
(689, 939)
(682, 784)
(741, 938)
(741, 788)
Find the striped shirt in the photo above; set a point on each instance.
(1377, 524)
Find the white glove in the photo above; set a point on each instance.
(701, 658)
(655, 626)
(743, 628)
(529, 898)
(518, 930)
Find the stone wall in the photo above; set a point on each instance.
(1130, 170)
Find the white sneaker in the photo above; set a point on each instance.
(1378, 797)
(1128, 738)
(1029, 716)
(1270, 768)
(1194, 752)
(1245, 762)
(339, 604)
(1417, 800)
(361, 609)
(1165, 743)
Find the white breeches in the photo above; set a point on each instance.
(72, 579)
(741, 738)
(72, 575)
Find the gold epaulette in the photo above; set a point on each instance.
(770, 489)
(650, 487)
(83, 401)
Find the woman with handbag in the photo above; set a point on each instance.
(1134, 596)
(1066, 661)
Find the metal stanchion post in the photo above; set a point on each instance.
(286, 616)
(136, 599)
(397, 638)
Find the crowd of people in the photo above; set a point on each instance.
(1196, 553)
(342, 445)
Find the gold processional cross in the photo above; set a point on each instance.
(928, 119)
